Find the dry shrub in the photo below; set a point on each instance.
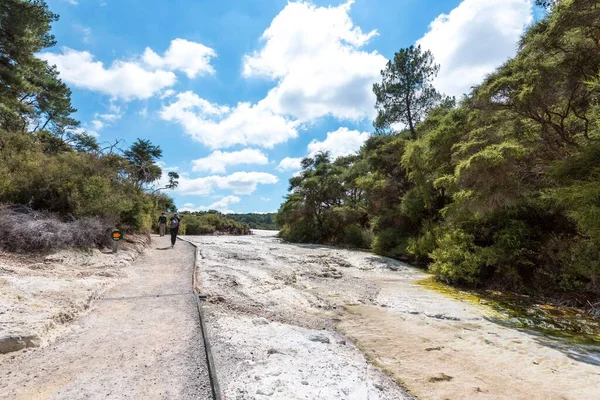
(23, 229)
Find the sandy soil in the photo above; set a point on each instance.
(267, 300)
(141, 340)
(40, 294)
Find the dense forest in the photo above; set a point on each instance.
(257, 221)
(59, 184)
(499, 189)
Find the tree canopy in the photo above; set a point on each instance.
(406, 94)
(47, 161)
(501, 190)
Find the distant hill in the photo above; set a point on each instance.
(256, 221)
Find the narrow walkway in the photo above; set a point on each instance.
(142, 340)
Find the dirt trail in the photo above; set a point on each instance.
(142, 340)
(268, 299)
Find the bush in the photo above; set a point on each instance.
(391, 243)
(207, 223)
(456, 260)
(355, 236)
(25, 230)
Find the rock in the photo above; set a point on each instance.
(378, 386)
(342, 342)
(260, 321)
(304, 382)
(265, 391)
(319, 337)
(273, 351)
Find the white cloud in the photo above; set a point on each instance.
(221, 205)
(167, 93)
(473, 39)
(84, 31)
(218, 126)
(183, 55)
(238, 183)
(315, 55)
(97, 124)
(123, 79)
(265, 199)
(139, 78)
(341, 142)
(290, 164)
(218, 161)
(100, 121)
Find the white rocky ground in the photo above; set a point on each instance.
(278, 314)
(39, 294)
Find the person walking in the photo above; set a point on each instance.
(175, 222)
(162, 224)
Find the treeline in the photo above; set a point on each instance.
(47, 161)
(501, 189)
(211, 222)
(257, 221)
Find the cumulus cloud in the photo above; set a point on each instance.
(473, 39)
(218, 161)
(218, 126)
(108, 118)
(190, 57)
(122, 79)
(167, 93)
(221, 205)
(341, 142)
(315, 54)
(139, 78)
(238, 182)
(316, 58)
(290, 164)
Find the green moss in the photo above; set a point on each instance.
(522, 312)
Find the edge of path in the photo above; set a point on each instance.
(212, 372)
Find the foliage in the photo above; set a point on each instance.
(142, 157)
(501, 190)
(406, 94)
(50, 164)
(208, 223)
(256, 221)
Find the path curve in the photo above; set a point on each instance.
(142, 340)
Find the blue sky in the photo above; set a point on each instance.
(236, 92)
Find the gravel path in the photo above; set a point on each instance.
(142, 340)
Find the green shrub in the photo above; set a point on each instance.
(456, 259)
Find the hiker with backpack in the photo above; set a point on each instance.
(175, 223)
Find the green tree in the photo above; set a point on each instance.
(32, 97)
(406, 94)
(143, 157)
